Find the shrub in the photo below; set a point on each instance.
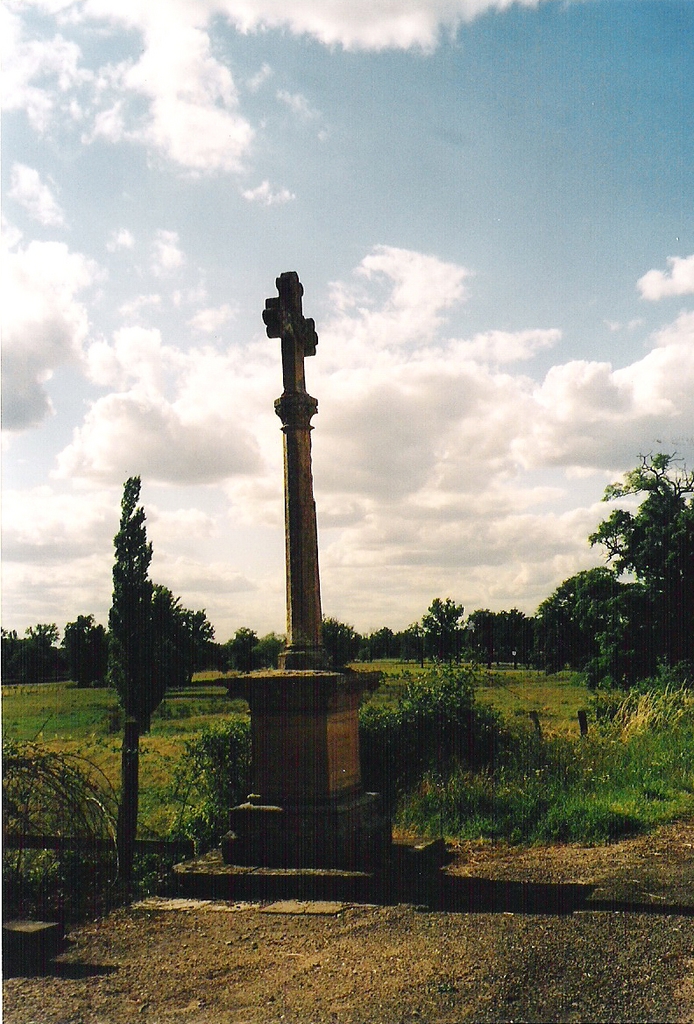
(212, 775)
(436, 725)
(66, 797)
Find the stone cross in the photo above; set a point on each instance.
(284, 319)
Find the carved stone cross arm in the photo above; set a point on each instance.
(283, 318)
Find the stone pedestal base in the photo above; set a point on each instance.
(348, 833)
(311, 810)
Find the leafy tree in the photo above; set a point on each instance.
(40, 658)
(442, 629)
(382, 643)
(481, 632)
(12, 646)
(130, 618)
(130, 654)
(571, 622)
(241, 649)
(171, 656)
(267, 651)
(341, 642)
(411, 642)
(201, 640)
(86, 649)
(656, 544)
(513, 636)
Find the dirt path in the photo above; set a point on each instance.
(555, 934)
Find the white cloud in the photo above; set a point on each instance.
(135, 307)
(258, 80)
(193, 116)
(54, 63)
(297, 103)
(120, 239)
(210, 320)
(431, 458)
(265, 195)
(507, 346)
(35, 196)
(677, 280)
(167, 257)
(363, 24)
(141, 433)
(174, 417)
(398, 299)
(44, 324)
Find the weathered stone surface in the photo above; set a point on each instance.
(307, 808)
(284, 319)
(28, 946)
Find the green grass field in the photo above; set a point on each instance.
(557, 787)
(514, 693)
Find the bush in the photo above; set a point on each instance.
(211, 777)
(435, 726)
(61, 796)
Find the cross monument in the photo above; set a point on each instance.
(284, 319)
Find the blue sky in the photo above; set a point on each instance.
(490, 207)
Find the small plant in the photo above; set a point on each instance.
(63, 797)
(435, 725)
(212, 775)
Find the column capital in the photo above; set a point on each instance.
(295, 409)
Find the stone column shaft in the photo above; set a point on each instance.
(304, 644)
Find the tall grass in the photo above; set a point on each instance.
(633, 773)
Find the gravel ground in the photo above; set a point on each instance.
(621, 950)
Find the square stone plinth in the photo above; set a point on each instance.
(304, 734)
(347, 833)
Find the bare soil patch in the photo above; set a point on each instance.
(572, 934)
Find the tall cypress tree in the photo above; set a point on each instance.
(130, 657)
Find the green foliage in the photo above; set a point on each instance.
(590, 790)
(54, 794)
(86, 648)
(570, 622)
(155, 643)
(340, 641)
(34, 658)
(267, 651)
(656, 544)
(241, 649)
(130, 618)
(212, 775)
(435, 725)
(505, 636)
(442, 629)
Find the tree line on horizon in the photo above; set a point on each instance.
(616, 623)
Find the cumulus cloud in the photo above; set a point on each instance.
(37, 74)
(35, 196)
(364, 24)
(434, 457)
(171, 418)
(260, 77)
(677, 280)
(193, 116)
(267, 196)
(136, 432)
(209, 320)
(44, 324)
(167, 256)
(397, 297)
(120, 239)
(507, 346)
(297, 103)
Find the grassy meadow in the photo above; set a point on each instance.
(633, 771)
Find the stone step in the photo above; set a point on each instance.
(29, 946)
(411, 874)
